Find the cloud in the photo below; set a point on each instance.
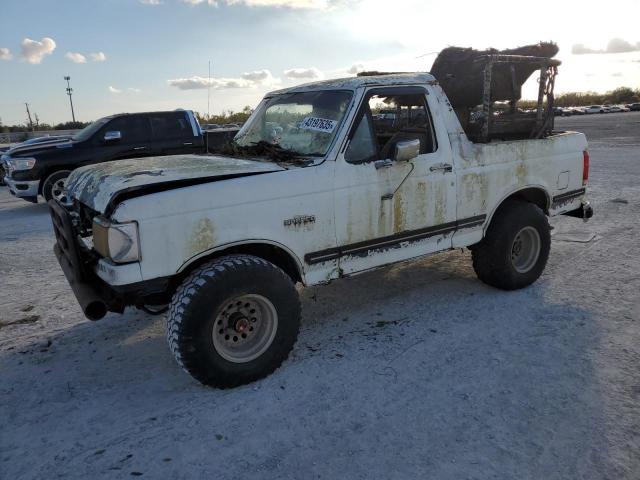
(356, 68)
(196, 83)
(257, 76)
(98, 56)
(5, 54)
(213, 3)
(297, 4)
(150, 2)
(302, 4)
(246, 80)
(114, 89)
(297, 73)
(134, 90)
(76, 57)
(615, 45)
(580, 49)
(33, 51)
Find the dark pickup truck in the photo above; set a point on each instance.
(42, 168)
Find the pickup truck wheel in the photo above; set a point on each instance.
(234, 320)
(515, 250)
(53, 186)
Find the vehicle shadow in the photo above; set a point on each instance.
(413, 370)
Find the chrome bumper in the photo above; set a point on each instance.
(22, 188)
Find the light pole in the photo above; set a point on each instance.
(69, 91)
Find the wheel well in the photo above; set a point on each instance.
(534, 195)
(272, 253)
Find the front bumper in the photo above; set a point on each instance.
(27, 189)
(95, 296)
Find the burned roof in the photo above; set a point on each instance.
(460, 71)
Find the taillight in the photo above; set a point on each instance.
(585, 167)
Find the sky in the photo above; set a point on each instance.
(142, 55)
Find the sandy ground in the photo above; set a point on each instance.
(415, 371)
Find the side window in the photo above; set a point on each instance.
(133, 129)
(399, 117)
(171, 126)
(362, 146)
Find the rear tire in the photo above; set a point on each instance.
(53, 186)
(515, 250)
(234, 320)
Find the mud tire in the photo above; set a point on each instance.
(200, 299)
(492, 257)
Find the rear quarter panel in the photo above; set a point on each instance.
(489, 173)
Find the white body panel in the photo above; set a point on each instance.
(352, 205)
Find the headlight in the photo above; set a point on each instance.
(117, 241)
(21, 163)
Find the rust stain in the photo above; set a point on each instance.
(421, 201)
(440, 202)
(202, 237)
(399, 213)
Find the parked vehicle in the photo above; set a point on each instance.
(577, 110)
(42, 168)
(210, 126)
(5, 152)
(331, 193)
(634, 107)
(595, 109)
(614, 109)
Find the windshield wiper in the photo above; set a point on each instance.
(264, 148)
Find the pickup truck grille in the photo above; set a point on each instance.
(67, 241)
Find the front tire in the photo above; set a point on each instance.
(234, 320)
(53, 186)
(515, 250)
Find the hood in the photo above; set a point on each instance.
(24, 150)
(100, 186)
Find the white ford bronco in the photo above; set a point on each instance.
(317, 185)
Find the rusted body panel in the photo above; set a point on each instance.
(333, 217)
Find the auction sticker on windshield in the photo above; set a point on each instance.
(318, 124)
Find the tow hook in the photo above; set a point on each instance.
(587, 211)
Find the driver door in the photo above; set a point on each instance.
(389, 210)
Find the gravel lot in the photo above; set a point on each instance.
(415, 371)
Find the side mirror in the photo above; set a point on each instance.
(112, 136)
(407, 150)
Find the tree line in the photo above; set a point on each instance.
(621, 95)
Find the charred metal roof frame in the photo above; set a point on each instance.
(548, 70)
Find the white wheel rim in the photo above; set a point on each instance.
(245, 328)
(525, 249)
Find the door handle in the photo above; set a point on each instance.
(382, 164)
(188, 143)
(441, 167)
(139, 148)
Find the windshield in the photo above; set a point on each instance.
(89, 130)
(303, 123)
